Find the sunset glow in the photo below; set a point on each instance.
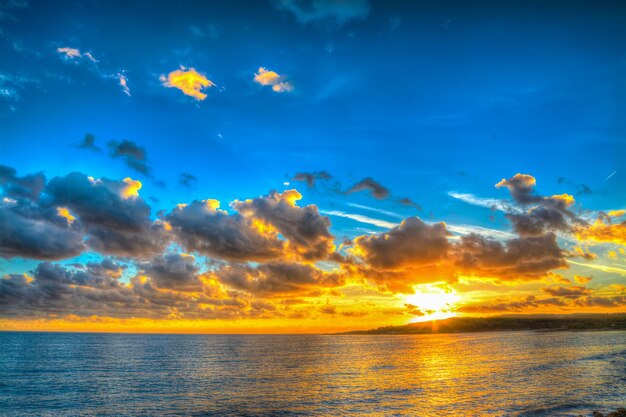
(307, 166)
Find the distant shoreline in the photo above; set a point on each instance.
(543, 323)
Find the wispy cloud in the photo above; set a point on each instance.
(462, 229)
(603, 268)
(492, 203)
(377, 210)
(360, 218)
(75, 53)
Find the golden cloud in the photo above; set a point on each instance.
(273, 79)
(189, 81)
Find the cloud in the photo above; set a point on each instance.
(278, 278)
(412, 243)
(187, 180)
(189, 81)
(567, 292)
(27, 231)
(373, 187)
(360, 218)
(546, 213)
(521, 188)
(174, 271)
(74, 54)
(11, 87)
(29, 186)
(415, 252)
(202, 227)
(603, 230)
(311, 177)
(305, 229)
(134, 155)
(123, 82)
(491, 203)
(405, 201)
(89, 142)
(278, 83)
(335, 11)
(113, 217)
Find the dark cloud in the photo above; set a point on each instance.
(581, 189)
(411, 243)
(27, 231)
(311, 177)
(306, 230)
(134, 155)
(546, 214)
(27, 186)
(537, 221)
(114, 224)
(567, 292)
(521, 187)
(278, 278)
(173, 271)
(89, 142)
(408, 202)
(415, 252)
(204, 228)
(187, 180)
(529, 302)
(519, 258)
(369, 184)
(55, 291)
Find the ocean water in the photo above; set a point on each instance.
(480, 374)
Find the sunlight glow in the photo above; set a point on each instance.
(434, 302)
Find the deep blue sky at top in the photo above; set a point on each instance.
(425, 97)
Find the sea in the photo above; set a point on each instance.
(472, 374)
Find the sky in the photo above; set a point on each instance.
(309, 166)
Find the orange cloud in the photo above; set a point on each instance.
(189, 81)
(131, 189)
(271, 78)
(602, 230)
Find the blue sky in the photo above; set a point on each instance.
(428, 99)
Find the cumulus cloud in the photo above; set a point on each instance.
(376, 189)
(335, 11)
(278, 278)
(27, 231)
(202, 227)
(174, 271)
(114, 218)
(415, 252)
(189, 81)
(544, 213)
(305, 229)
(278, 82)
(12, 185)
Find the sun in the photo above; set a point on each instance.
(434, 302)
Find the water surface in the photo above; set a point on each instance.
(480, 374)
